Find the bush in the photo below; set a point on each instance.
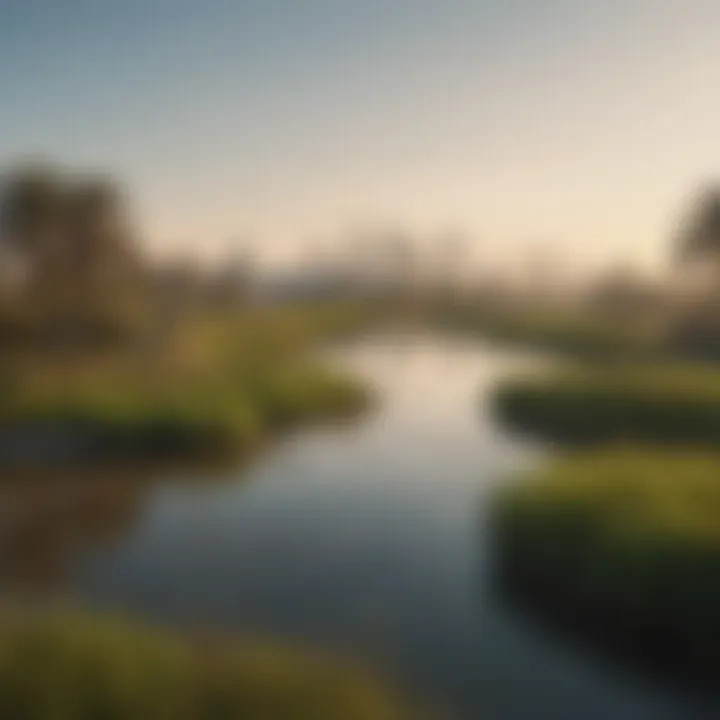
(67, 667)
(617, 402)
(622, 548)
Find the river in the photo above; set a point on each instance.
(368, 538)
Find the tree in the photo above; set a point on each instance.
(696, 327)
(75, 240)
(31, 206)
(699, 237)
(100, 245)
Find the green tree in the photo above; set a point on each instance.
(75, 238)
(699, 237)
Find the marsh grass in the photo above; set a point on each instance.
(57, 665)
(621, 548)
(223, 384)
(678, 403)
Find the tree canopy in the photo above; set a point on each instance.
(699, 237)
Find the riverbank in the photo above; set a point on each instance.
(621, 550)
(61, 664)
(613, 547)
(596, 403)
(220, 386)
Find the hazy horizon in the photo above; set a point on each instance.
(521, 124)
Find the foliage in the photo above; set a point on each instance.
(700, 232)
(61, 666)
(621, 548)
(225, 383)
(73, 234)
(622, 401)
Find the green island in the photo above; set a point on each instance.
(621, 548)
(57, 665)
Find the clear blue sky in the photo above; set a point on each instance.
(580, 122)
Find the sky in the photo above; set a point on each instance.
(578, 125)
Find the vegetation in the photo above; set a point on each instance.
(626, 401)
(70, 238)
(104, 353)
(568, 333)
(220, 387)
(621, 548)
(59, 666)
(699, 236)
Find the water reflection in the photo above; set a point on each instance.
(51, 520)
(46, 522)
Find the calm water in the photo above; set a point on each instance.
(367, 538)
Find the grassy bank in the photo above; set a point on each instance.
(215, 414)
(219, 384)
(68, 667)
(639, 401)
(621, 549)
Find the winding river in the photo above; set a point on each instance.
(367, 538)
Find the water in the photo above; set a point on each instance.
(369, 539)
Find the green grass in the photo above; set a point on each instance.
(60, 666)
(621, 548)
(628, 401)
(224, 384)
(222, 412)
